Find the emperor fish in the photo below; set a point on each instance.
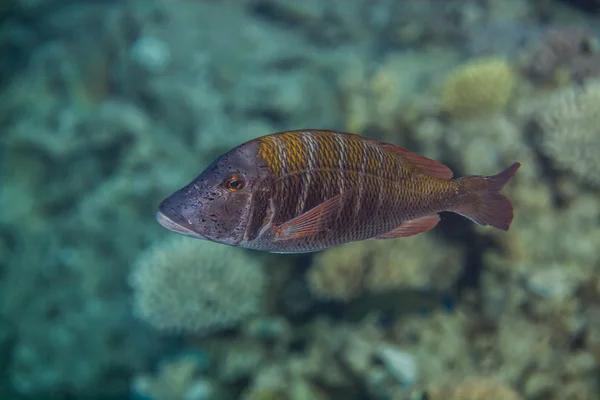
(307, 190)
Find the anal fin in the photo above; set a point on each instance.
(412, 227)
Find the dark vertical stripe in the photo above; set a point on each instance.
(258, 213)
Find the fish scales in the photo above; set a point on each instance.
(306, 190)
(367, 170)
(376, 175)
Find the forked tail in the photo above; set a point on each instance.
(483, 203)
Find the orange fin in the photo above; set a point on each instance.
(311, 222)
(484, 204)
(426, 165)
(412, 227)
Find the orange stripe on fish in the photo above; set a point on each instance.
(285, 153)
(294, 152)
(267, 151)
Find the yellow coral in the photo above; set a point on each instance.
(375, 266)
(479, 86)
(483, 389)
(338, 273)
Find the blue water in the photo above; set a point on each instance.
(107, 107)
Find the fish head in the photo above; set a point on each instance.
(216, 205)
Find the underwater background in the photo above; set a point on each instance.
(107, 107)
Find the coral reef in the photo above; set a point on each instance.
(375, 97)
(480, 86)
(179, 285)
(107, 107)
(477, 389)
(351, 270)
(569, 123)
(563, 55)
(354, 360)
(177, 379)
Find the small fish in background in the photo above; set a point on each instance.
(307, 190)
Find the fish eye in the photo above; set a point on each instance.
(234, 183)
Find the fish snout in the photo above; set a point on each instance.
(177, 225)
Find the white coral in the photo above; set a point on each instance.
(195, 286)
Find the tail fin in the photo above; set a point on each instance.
(483, 202)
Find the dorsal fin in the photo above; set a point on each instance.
(425, 165)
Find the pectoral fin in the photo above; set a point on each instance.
(412, 227)
(312, 222)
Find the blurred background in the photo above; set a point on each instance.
(107, 107)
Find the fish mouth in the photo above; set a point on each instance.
(183, 228)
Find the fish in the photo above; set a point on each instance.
(307, 190)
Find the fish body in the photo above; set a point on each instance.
(307, 190)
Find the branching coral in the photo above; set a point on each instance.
(177, 379)
(563, 55)
(480, 389)
(443, 334)
(571, 130)
(486, 145)
(341, 357)
(196, 286)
